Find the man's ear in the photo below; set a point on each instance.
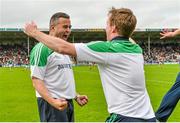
(51, 27)
(114, 30)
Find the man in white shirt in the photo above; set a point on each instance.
(52, 76)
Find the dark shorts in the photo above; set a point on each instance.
(48, 113)
(120, 118)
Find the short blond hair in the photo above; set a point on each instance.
(124, 20)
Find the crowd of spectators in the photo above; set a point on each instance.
(16, 55)
(161, 53)
(13, 55)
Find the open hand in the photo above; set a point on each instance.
(30, 29)
(166, 34)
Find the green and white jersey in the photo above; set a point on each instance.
(55, 70)
(121, 68)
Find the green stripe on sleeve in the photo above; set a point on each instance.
(39, 55)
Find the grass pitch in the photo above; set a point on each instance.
(18, 101)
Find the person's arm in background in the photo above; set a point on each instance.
(38, 84)
(169, 34)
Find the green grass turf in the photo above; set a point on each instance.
(18, 101)
(159, 80)
(17, 96)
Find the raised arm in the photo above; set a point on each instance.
(169, 34)
(56, 44)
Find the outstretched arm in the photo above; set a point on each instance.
(169, 34)
(56, 44)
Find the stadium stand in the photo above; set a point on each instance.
(15, 45)
(161, 53)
